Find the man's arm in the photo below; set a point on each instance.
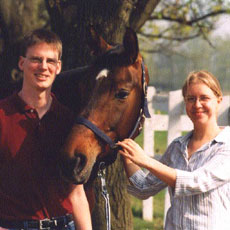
(81, 212)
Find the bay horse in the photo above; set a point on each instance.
(109, 100)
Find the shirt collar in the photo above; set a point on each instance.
(184, 139)
(23, 107)
(224, 135)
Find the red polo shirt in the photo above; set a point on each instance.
(30, 187)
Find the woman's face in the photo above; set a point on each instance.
(201, 104)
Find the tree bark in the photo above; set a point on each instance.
(141, 13)
(120, 205)
(71, 19)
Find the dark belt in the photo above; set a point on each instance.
(56, 222)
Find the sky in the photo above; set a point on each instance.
(223, 26)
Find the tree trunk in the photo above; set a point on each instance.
(71, 19)
(120, 205)
(71, 22)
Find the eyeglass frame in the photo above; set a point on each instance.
(39, 60)
(202, 99)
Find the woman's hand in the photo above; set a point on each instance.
(132, 151)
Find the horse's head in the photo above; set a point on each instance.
(115, 104)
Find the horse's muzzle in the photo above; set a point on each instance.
(73, 169)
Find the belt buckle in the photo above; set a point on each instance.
(41, 224)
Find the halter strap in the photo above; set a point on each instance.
(96, 130)
(145, 89)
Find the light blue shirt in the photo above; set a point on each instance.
(201, 197)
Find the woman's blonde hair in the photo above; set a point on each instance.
(205, 77)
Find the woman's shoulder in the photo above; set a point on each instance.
(224, 135)
(183, 139)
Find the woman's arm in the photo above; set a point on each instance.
(210, 170)
(130, 167)
(134, 156)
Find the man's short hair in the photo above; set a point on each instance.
(39, 36)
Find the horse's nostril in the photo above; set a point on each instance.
(71, 168)
(80, 162)
(67, 166)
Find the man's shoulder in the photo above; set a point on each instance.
(6, 107)
(7, 101)
(60, 108)
(10, 105)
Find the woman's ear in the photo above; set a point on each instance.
(219, 99)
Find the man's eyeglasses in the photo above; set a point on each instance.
(39, 60)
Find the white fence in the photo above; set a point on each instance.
(174, 122)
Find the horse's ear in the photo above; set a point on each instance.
(130, 44)
(96, 43)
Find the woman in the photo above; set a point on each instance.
(195, 167)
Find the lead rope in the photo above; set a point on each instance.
(105, 194)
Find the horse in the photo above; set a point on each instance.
(108, 98)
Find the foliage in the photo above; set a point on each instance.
(176, 21)
(167, 23)
(167, 72)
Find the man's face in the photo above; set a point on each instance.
(40, 66)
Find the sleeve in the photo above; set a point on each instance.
(211, 175)
(144, 184)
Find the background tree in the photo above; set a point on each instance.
(176, 21)
(16, 18)
(71, 18)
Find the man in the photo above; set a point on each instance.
(33, 126)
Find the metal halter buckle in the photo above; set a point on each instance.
(41, 224)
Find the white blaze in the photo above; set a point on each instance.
(102, 74)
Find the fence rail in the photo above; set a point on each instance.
(175, 122)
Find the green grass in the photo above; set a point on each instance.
(140, 224)
(160, 140)
(158, 216)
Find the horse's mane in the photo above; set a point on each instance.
(75, 71)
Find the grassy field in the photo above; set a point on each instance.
(158, 201)
(157, 223)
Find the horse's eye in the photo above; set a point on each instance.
(122, 94)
